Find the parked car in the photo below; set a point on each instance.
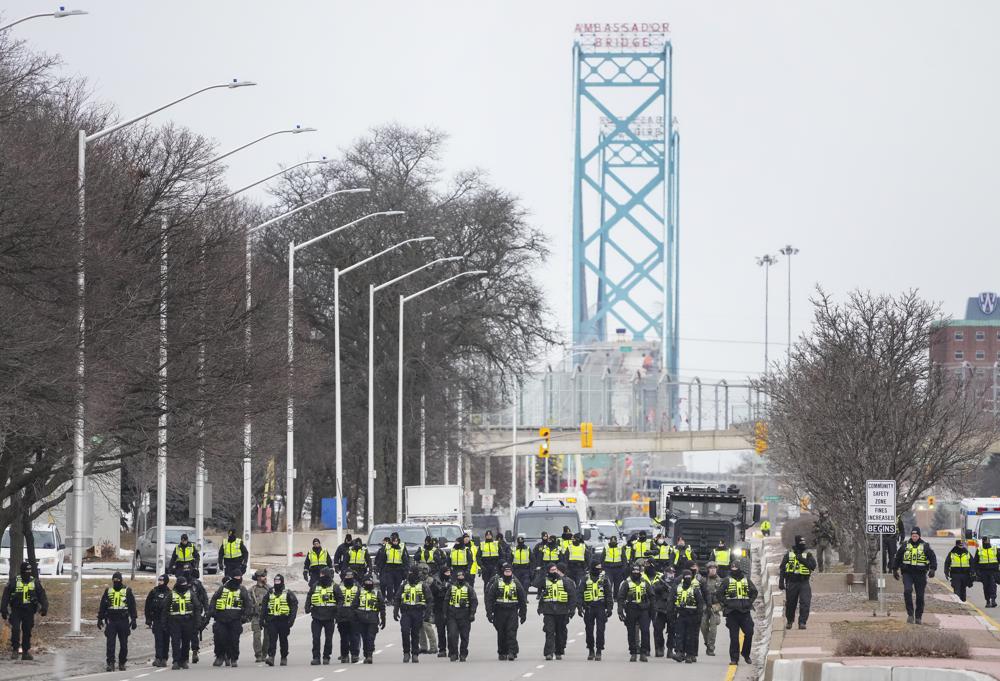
(412, 535)
(145, 548)
(50, 551)
(607, 529)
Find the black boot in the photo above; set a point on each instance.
(659, 652)
(590, 655)
(406, 657)
(633, 657)
(218, 662)
(121, 666)
(597, 657)
(315, 661)
(109, 668)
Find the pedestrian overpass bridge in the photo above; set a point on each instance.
(505, 442)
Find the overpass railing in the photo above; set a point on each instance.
(640, 402)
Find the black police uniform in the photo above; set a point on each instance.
(199, 590)
(520, 562)
(506, 607)
(392, 562)
(314, 562)
(688, 605)
(410, 609)
(986, 566)
(958, 569)
(182, 617)
(346, 595)
(595, 601)
(277, 613)
(321, 604)
(614, 565)
(737, 594)
(117, 616)
(157, 605)
(917, 562)
(234, 556)
(231, 607)
(635, 605)
(661, 615)
(369, 610)
(460, 607)
(439, 590)
(556, 604)
(184, 558)
(22, 598)
(793, 577)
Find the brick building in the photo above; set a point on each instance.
(970, 347)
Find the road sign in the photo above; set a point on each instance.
(772, 498)
(880, 507)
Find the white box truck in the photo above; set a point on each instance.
(981, 518)
(435, 504)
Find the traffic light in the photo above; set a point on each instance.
(586, 434)
(930, 502)
(543, 448)
(760, 437)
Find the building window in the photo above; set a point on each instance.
(959, 335)
(980, 335)
(980, 354)
(959, 354)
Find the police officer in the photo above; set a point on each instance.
(595, 604)
(184, 558)
(321, 603)
(958, 569)
(506, 602)
(826, 539)
(661, 555)
(21, 599)
(634, 609)
(521, 562)
(566, 538)
(278, 614)
(578, 557)
(462, 604)
(737, 594)
(614, 564)
(346, 593)
(986, 566)
(638, 548)
(155, 612)
(688, 606)
(340, 555)
(369, 610)
(392, 563)
(410, 608)
(356, 559)
(440, 587)
(117, 616)
(551, 553)
(721, 556)
(460, 557)
(682, 556)
(557, 601)
(257, 594)
(765, 527)
(661, 613)
(489, 556)
(793, 578)
(316, 559)
(710, 618)
(473, 544)
(234, 555)
(231, 606)
(194, 579)
(917, 562)
(431, 555)
(182, 617)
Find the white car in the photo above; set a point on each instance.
(50, 551)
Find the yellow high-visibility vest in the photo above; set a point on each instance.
(232, 549)
(722, 557)
(491, 549)
(229, 600)
(914, 555)
(322, 597)
(577, 553)
(116, 599)
(369, 601)
(593, 590)
(987, 556)
(508, 592)
(613, 555)
(318, 559)
(184, 554)
(413, 594)
(459, 596)
(277, 605)
(738, 588)
(180, 605)
(960, 560)
(522, 557)
(795, 566)
(686, 598)
(555, 592)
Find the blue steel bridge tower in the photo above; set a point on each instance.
(625, 197)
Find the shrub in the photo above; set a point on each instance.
(909, 642)
(108, 551)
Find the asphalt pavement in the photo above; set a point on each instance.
(974, 595)
(481, 666)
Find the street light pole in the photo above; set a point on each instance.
(339, 451)
(766, 261)
(62, 12)
(788, 251)
(372, 290)
(79, 426)
(290, 410)
(399, 395)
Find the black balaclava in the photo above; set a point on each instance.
(650, 569)
(636, 574)
(181, 584)
(577, 538)
(232, 533)
(326, 576)
(566, 533)
(508, 574)
(413, 576)
(736, 571)
(278, 584)
(553, 540)
(428, 542)
(348, 578)
(460, 578)
(520, 541)
(613, 542)
(446, 575)
(553, 575)
(686, 578)
(642, 536)
(348, 539)
(595, 570)
(235, 582)
(986, 542)
(163, 581)
(116, 580)
(368, 584)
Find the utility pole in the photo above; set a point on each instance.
(788, 251)
(766, 261)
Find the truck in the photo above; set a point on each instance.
(576, 499)
(980, 518)
(435, 504)
(704, 514)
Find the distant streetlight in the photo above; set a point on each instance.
(399, 394)
(372, 290)
(61, 13)
(76, 600)
(766, 261)
(290, 418)
(788, 251)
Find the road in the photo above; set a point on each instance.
(941, 546)
(482, 665)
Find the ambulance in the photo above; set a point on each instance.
(981, 518)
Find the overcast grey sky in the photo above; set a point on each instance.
(863, 133)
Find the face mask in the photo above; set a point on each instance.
(181, 588)
(460, 580)
(737, 574)
(553, 576)
(636, 576)
(349, 581)
(279, 587)
(595, 573)
(650, 570)
(446, 577)
(369, 586)
(507, 578)
(687, 582)
(520, 541)
(613, 543)
(325, 580)
(316, 548)
(412, 579)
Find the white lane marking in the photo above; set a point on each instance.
(389, 645)
(139, 676)
(527, 675)
(342, 669)
(378, 652)
(541, 666)
(572, 640)
(318, 678)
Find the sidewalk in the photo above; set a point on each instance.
(835, 614)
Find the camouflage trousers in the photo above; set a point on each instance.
(709, 627)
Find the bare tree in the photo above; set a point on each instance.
(861, 400)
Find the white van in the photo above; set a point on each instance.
(980, 518)
(50, 551)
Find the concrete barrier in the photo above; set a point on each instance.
(806, 670)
